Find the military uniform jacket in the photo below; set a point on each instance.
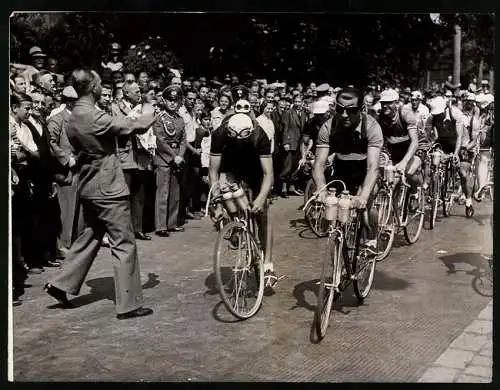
(170, 139)
(127, 144)
(92, 134)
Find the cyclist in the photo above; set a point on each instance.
(472, 123)
(447, 121)
(486, 142)
(240, 151)
(402, 140)
(356, 140)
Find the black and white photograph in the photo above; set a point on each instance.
(251, 197)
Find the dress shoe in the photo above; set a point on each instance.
(53, 263)
(140, 312)
(176, 229)
(162, 233)
(34, 270)
(284, 194)
(142, 236)
(16, 302)
(58, 294)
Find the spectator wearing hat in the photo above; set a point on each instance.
(420, 111)
(37, 63)
(293, 123)
(64, 167)
(168, 160)
(115, 64)
(322, 90)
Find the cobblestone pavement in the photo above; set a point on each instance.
(423, 298)
(469, 357)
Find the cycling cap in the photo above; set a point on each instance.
(320, 107)
(242, 106)
(389, 95)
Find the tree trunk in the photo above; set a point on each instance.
(456, 54)
(480, 71)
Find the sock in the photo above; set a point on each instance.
(268, 267)
(468, 202)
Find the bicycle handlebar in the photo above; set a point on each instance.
(318, 192)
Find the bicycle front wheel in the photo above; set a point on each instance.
(316, 217)
(239, 270)
(414, 217)
(326, 294)
(452, 183)
(386, 229)
(435, 197)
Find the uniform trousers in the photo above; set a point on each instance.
(67, 201)
(111, 216)
(136, 181)
(168, 193)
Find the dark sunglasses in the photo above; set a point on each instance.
(349, 110)
(245, 133)
(243, 107)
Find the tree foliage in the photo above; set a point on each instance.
(305, 47)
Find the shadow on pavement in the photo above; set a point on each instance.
(481, 219)
(298, 223)
(104, 288)
(382, 281)
(308, 234)
(476, 260)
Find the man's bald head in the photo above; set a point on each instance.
(86, 82)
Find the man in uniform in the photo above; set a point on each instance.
(103, 194)
(168, 161)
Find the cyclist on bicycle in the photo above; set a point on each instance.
(468, 148)
(241, 152)
(356, 139)
(405, 144)
(486, 142)
(447, 121)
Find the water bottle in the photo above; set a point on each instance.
(227, 199)
(436, 158)
(389, 172)
(239, 196)
(344, 206)
(331, 204)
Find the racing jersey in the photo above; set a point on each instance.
(348, 144)
(421, 115)
(396, 129)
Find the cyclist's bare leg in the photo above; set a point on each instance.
(371, 229)
(466, 180)
(482, 170)
(265, 234)
(413, 174)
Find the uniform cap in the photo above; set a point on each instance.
(328, 99)
(69, 92)
(239, 122)
(389, 95)
(437, 105)
(320, 107)
(35, 51)
(322, 87)
(172, 93)
(337, 89)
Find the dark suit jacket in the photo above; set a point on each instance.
(293, 126)
(127, 144)
(92, 133)
(59, 146)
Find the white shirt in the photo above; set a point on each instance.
(146, 140)
(422, 114)
(190, 124)
(268, 126)
(24, 135)
(205, 151)
(37, 125)
(216, 118)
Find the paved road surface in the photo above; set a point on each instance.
(422, 299)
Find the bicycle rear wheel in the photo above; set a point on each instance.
(386, 229)
(414, 217)
(239, 270)
(326, 294)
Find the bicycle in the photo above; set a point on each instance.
(395, 210)
(451, 188)
(343, 264)
(240, 285)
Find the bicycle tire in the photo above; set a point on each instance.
(385, 217)
(358, 265)
(326, 296)
(309, 190)
(257, 267)
(318, 222)
(413, 238)
(435, 197)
